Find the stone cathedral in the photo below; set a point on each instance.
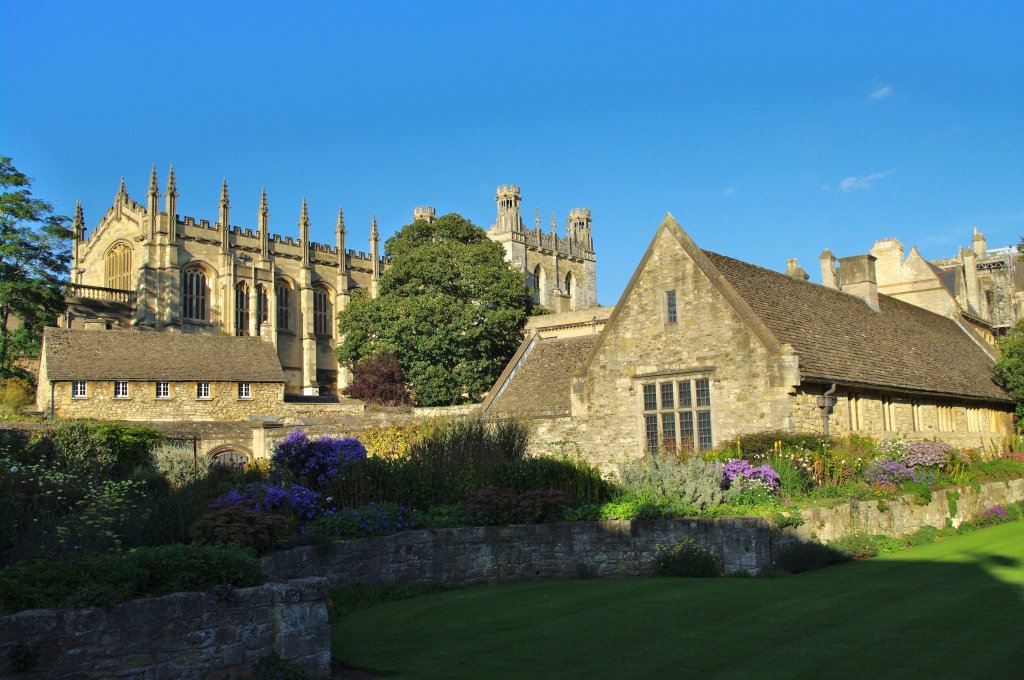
(143, 268)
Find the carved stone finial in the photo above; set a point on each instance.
(224, 194)
(78, 224)
(304, 215)
(340, 226)
(374, 236)
(122, 192)
(154, 190)
(172, 188)
(536, 219)
(264, 208)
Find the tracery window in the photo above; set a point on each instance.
(194, 295)
(118, 267)
(262, 307)
(282, 304)
(241, 308)
(321, 312)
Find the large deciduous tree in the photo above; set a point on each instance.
(450, 309)
(34, 257)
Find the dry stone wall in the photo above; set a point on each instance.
(476, 555)
(175, 637)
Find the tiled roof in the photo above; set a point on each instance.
(141, 355)
(839, 338)
(541, 385)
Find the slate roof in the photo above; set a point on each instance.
(140, 355)
(541, 384)
(839, 338)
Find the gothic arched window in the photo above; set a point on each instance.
(321, 311)
(538, 285)
(241, 308)
(194, 295)
(118, 267)
(283, 289)
(262, 307)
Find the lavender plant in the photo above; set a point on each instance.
(742, 474)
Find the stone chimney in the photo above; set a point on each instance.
(971, 280)
(795, 271)
(888, 268)
(857, 277)
(828, 269)
(978, 242)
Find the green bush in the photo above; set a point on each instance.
(179, 465)
(89, 449)
(765, 442)
(106, 579)
(798, 557)
(493, 506)
(572, 474)
(857, 546)
(685, 558)
(695, 482)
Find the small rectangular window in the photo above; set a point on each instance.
(163, 390)
(78, 389)
(704, 430)
(670, 307)
(668, 431)
(244, 391)
(120, 389)
(686, 430)
(650, 398)
(685, 396)
(703, 392)
(203, 390)
(667, 390)
(651, 425)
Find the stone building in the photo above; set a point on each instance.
(983, 287)
(126, 375)
(702, 348)
(150, 269)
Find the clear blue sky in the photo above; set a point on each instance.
(769, 129)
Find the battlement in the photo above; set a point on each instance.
(509, 190)
(580, 214)
(424, 213)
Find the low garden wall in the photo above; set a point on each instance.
(475, 555)
(179, 636)
(903, 516)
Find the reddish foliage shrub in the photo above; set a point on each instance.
(379, 381)
(239, 524)
(504, 506)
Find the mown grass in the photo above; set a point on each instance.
(950, 609)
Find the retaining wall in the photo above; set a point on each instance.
(175, 637)
(475, 555)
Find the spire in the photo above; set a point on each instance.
(340, 226)
(536, 219)
(304, 233)
(263, 225)
(154, 190)
(374, 236)
(224, 194)
(375, 255)
(78, 224)
(339, 235)
(172, 188)
(122, 192)
(264, 208)
(554, 222)
(225, 218)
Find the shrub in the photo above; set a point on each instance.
(15, 394)
(379, 380)
(106, 579)
(770, 441)
(578, 477)
(89, 449)
(798, 557)
(695, 482)
(857, 546)
(891, 471)
(240, 524)
(318, 460)
(179, 465)
(375, 519)
(685, 558)
(493, 506)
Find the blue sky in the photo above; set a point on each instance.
(770, 130)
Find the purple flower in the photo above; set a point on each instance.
(316, 460)
(285, 499)
(742, 469)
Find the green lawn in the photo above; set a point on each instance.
(951, 609)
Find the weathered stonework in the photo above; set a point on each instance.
(475, 555)
(184, 636)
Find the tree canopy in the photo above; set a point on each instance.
(449, 308)
(34, 257)
(1009, 369)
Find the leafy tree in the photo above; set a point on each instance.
(1009, 369)
(450, 310)
(379, 380)
(33, 267)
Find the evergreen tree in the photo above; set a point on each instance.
(1009, 369)
(450, 310)
(34, 257)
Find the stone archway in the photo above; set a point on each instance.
(229, 456)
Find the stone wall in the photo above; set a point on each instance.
(475, 555)
(142, 404)
(901, 517)
(180, 636)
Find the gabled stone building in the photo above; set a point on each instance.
(146, 268)
(130, 375)
(702, 348)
